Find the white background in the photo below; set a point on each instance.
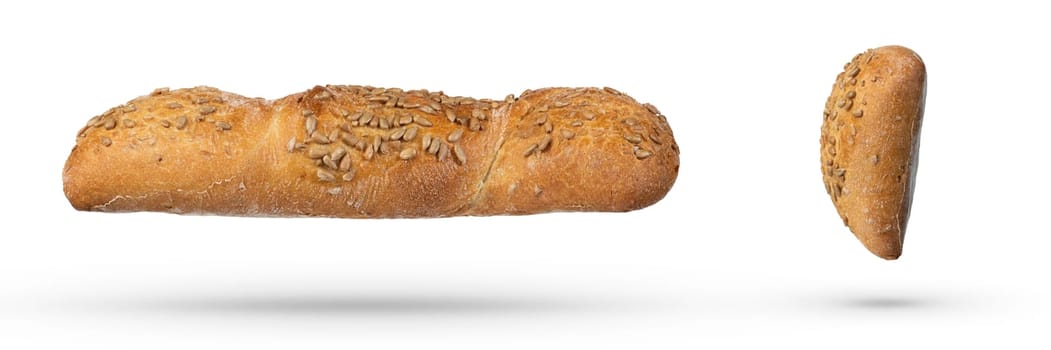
(745, 251)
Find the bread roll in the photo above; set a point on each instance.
(870, 142)
(364, 152)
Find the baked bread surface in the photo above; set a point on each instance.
(363, 152)
(870, 141)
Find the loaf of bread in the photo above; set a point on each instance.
(365, 152)
(870, 142)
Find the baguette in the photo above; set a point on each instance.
(364, 152)
(870, 142)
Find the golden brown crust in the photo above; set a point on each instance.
(870, 144)
(580, 150)
(352, 151)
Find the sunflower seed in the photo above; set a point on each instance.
(858, 113)
(428, 110)
(567, 134)
(589, 116)
(577, 123)
(455, 135)
(841, 103)
(392, 102)
(631, 122)
(128, 123)
(350, 139)
(851, 94)
(410, 133)
(365, 118)
(316, 152)
(349, 175)
(425, 142)
(548, 128)
(325, 176)
(129, 108)
(95, 121)
(633, 138)
(180, 123)
(656, 139)
(323, 95)
(174, 105)
(375, 122)
(530, 150)
(443, 151)
(369, 153)
(545, 143)
(384, 123)
(509, 98)
(474, 125)
(311, 124)
(318, 138)
(407, 153)
(327, 160)
(854, 72)
(560, 104)
(223, 126)
(434, 146)
(541, 120)
(344, 163)
(205, 110)
(337, 154)
(477, 113)
(397, 134)
(376, 142)
(848, 104)
(355, 116)
(291, 144)
(461, 156)
(612, 90)
(405, 120)
(106, 141)
(642, 154)
(422, 121)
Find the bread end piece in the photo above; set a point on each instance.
(580, 149)
(870, 140)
